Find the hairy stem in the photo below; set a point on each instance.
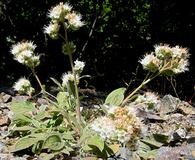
(78, 112)
(135, 91)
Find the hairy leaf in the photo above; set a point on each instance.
(62, 99)
(115, 97)
(96, 141)
(22, 107)
(53, 142)
(23, 143)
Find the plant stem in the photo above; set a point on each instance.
(41, 86)
(78, 112)
(38, 80)
(132, 93)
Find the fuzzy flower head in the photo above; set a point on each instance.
(163, 51)
(52, 30)
(23, 46)
(179, 52)
(149, 98)
(122, 126)
(23, 86)
(74, 20)
(68, 77)
(124, 120)
(150, 62)
(23, 52)
(167, 60)
(181, 66)
(78, 66)
(104, 127)
(58, 12)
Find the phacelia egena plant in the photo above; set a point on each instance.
(58, 127)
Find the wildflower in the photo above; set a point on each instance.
(110, 109)
(179, 52)
(35, 60)
(23, 46)
(52, 30)
(150, 99)
(23, 86)
(104, 127)
(67, 7)
(78, 66)
(182, 66)
(150, 62)
(68, 77)
(126, 121)
(58, 12)
(163, 51)
(74, 20)
(24, 53)
(122, 126)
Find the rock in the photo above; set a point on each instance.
(2, 146)
(4, 106)
(4, 120)
(168, 104)
(20, 98)
(4, 98)
(176, 153)
(179, 134)
(42, 101)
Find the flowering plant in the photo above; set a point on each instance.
(58, 127)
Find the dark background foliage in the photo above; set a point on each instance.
(122, 31)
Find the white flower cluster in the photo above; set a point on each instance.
(62, 14)
(110, 109)
(24, 53)
(121, 126)
(78, 66)
(69, 77)
(168, 60)
(149, 98)
(104, 127)
(23, 86)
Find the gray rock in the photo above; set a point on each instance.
(169, 104)
(176, 153)
(20, 98)
(2, 146)
(4, 98)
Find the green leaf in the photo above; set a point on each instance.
(68, 136)
(22, 118)
(39, 136)
(162, 138)
(67, 150)
(42, 113)
(151, 141)
(62, 99)
(56, 82)
(114, 147)
(96, 141)
(54, 142)
(35, 123)
(68, 48)
(23, 143)
(23, 128)
(115, 97)
(145, 151)
(46, 156)
(22, 107)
